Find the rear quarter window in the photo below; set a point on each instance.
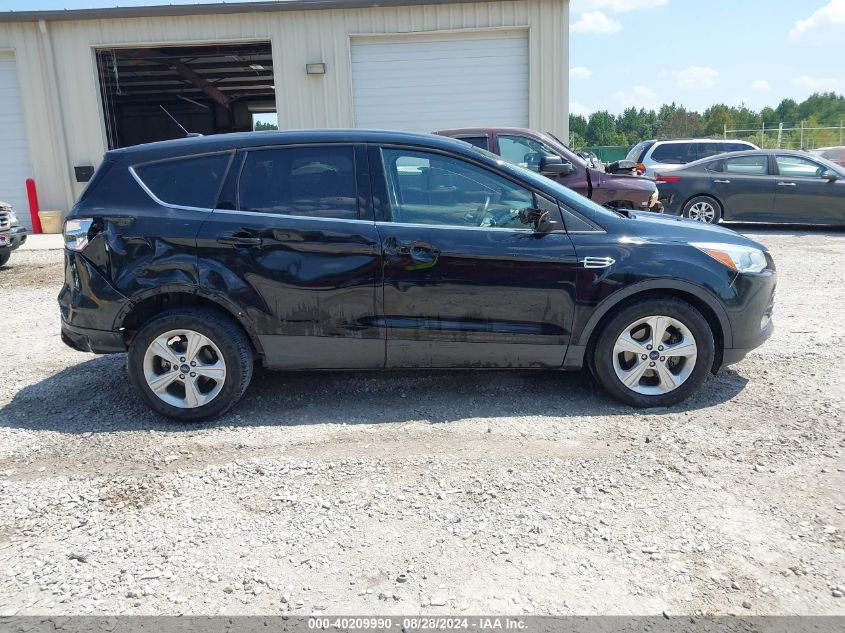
(678, 153)
(193, 181)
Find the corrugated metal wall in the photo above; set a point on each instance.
(60, 88)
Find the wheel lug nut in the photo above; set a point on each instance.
(644, 356)
(662, 358)
(660, 347)
(182, 359)
(651, 364)
(648, 346)
(193, 363)
(193, 375)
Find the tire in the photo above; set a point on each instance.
(4, 257)
(703, 209)
(222, 354)
(682, 324)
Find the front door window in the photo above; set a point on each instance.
(433, 189)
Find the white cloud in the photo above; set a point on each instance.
(820, 84)
(825, 26)
(580, 72)
(620, 6)
(579, 108)
(638, 97)
(596, 22)
(696, 77)
(760, 86)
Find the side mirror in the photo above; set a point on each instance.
(830, 175)
(555, 166)
(540, 219)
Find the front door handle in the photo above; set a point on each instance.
(723, 182)
(418, 251)
(240, 238)
(786, 184)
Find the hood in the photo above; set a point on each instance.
(622, 181)
(5, 206)
(670, 228)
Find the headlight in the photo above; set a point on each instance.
(743, 259)
(13, 217)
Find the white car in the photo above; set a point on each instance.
(672, 154)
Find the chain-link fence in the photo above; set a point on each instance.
(786, 136)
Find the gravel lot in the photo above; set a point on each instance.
(469, 492)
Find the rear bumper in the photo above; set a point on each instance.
(13, 238)
(88, 340)
(89, 305)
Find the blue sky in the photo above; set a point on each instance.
(695, 52)
(699, 52)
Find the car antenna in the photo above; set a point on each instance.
(181, 127)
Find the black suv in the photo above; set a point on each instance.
(348, 249)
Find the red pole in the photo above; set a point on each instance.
(33, 205)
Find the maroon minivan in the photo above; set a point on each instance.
(546, 154)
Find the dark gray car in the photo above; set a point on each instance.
(756, 186)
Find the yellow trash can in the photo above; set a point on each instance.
(51, 221)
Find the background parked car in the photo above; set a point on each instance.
(757, 186)
(546, 154)
(650, 155)
(833, 154)
(12, 235)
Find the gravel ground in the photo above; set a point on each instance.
(468, 492)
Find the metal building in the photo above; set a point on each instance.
(76, 83)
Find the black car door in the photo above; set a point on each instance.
(467, 283)
(292, 243)
(803, 195)
(745, 187)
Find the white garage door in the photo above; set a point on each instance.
(423, 83)
(15, 166)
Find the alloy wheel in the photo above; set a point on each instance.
(184, 368)
(702, 212)
(654, 355)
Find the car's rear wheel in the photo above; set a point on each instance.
(654, 353)
(4, 257)
(190, 363)
(703, 209)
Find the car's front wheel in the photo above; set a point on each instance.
(5, 254)
(654, 353)
(190, 364)
(703, 209)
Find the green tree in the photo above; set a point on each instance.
(600, 128)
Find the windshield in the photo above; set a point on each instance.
(578, 158)
(564, 194)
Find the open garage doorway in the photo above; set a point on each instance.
(207, 89)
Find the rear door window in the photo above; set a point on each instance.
(308, 181)
(677, 153)
(187, 182)
(747, 165)
(479, 141)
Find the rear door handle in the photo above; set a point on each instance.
(424, 253)
(239, 239)
(723, 182)
(786, 184)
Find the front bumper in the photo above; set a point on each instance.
(751, 317)
(13, 238)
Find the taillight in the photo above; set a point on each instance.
(640, 168)
(662, 178)
(76, 232)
